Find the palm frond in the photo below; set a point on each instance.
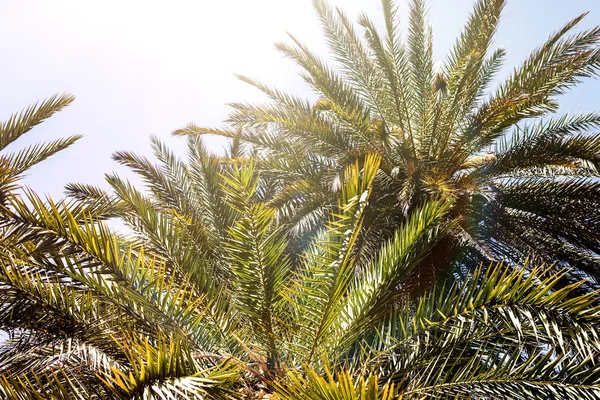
(21, 123)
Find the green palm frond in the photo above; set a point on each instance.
(21, 161)
(326, 274)
(12, 166)
(21, 123)
(383, 282)
(554, 67)
(167, 368)
(562, 142)
(255, 250)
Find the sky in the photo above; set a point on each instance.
(142, 67)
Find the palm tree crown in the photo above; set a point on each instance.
(524, 182)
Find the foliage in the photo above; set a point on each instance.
(525, 182)
(292, 266)
(175, 311)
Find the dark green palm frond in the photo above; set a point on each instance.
(562, 142)
(554, 198)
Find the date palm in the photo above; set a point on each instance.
(202, 299)
(209, 294)
(524, 181)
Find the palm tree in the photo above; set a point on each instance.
(523, 182)
(203, 299)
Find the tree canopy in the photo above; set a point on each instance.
(525, 182)
(410, 235)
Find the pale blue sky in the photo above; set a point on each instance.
(150, 67)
